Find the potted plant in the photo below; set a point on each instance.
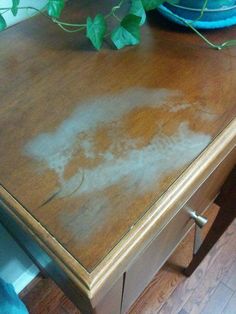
(127, 30)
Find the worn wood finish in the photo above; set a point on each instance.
(100, 150)
(60, 79)
(47, 261)
(147, 264)
(51, 266)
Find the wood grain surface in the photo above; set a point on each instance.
(89, 141)
(170, 289)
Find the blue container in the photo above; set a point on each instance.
(211, 4)
(10, 303)
(217, 14)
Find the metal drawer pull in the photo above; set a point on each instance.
(199, 220)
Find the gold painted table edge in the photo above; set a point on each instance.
(95, 285)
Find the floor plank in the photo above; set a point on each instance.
(230, 278)
(218, 300)
(45, 298)
(193, 293)
(68, 306)
(231, 306)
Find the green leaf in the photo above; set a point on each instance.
(128, 33)
(55, 8)
(96, 30)
(138, 9)
(14, 8)
(3, 23)
(153, 4)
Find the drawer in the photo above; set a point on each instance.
(141, 272)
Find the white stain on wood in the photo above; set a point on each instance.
(139, 169)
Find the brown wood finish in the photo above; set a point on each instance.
(112, 302)
(171, 276)
(167, 286)
(141, 272)
(60, 77)
(224, 218)
(100, 150)
(205, 289)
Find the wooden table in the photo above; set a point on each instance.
(104, 155)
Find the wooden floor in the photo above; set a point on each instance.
(210, 290)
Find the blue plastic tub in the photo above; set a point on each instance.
(218, 13)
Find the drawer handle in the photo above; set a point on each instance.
(200, 221)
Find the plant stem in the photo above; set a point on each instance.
(23, 8)
(202, 11)
(116, 17)
(71, 30)
(68, 24)
(211, 44)
(27, 8)
(115, 8)
(5, 11)
(81, 27)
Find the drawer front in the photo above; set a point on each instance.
(141, 272)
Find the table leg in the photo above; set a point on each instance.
(227, 203)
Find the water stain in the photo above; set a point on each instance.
(117, 139)
(146, 166)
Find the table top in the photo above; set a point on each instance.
(91, 140)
